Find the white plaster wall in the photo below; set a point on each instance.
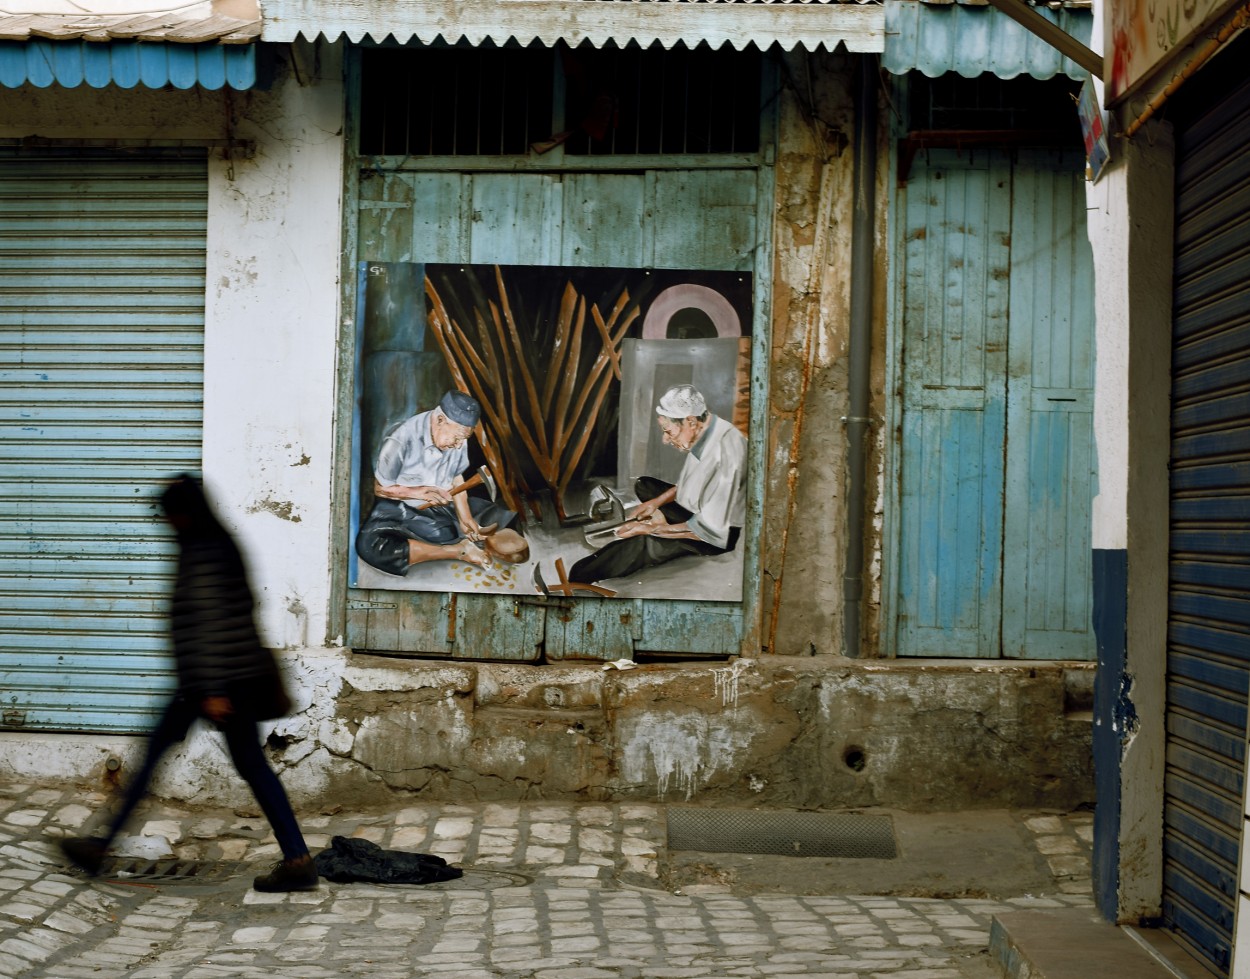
(1107, 221)
(271, 335)
(1131, 231)
(1149, 165)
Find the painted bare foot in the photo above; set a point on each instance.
(470, 553)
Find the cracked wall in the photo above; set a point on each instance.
(788, 732)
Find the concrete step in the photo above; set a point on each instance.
(1071, 943)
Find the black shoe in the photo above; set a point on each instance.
(289, 875)
(84, 853)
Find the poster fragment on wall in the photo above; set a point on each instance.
(1142, 34)
(579, 432)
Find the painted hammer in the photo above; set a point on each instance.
(480, 478)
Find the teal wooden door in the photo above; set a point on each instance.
(996, 464)
(1047, 575)
(695, 218)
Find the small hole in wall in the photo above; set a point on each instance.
(855, 759)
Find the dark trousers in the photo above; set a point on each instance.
(384, 536)
(243, 742)
(619, 558)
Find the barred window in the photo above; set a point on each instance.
(462, 101)
(952, 102)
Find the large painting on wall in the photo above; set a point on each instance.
(579, 432)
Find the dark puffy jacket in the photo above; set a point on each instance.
(212, 620)
(214, 629)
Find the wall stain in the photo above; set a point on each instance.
(283, 509)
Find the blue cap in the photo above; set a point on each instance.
(460, 408)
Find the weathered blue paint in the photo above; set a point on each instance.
(101, 365)
(997, 462)
(1114, 716)
(956, 264)
(1047, 590)
(974, 40)
(696, 218)
(127, 64)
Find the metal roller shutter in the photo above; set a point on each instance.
(102, 264)
(1209, 575)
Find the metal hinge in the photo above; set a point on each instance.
(541, 602)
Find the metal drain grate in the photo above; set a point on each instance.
(140, 870)
(783, 833)
(476, 879)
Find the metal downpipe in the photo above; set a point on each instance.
(863, 233)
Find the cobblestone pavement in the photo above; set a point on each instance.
(550, 892)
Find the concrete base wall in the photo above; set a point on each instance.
(923, 735)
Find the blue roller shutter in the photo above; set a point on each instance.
(1209, 574)
(102, 264)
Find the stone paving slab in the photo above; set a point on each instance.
(551, 892)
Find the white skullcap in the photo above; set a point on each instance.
(681, 402)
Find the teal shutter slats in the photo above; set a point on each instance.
(955, 323)
(1047, 573)
(667, 219)
(102, 262)
(997, 461)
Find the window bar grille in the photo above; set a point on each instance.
(661, 100)
(503, 89)
(455, 105)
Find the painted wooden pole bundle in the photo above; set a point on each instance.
(548, 410)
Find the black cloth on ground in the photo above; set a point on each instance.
(354, 860)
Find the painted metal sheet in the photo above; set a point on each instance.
(191, 24)
(789, 24)
(102, 262)
(1209, 576)
(1047, 569)
(975, 40)
(126, 64)
(678, 218)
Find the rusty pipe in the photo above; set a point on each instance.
(863, 234)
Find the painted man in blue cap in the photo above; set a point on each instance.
(421, 461)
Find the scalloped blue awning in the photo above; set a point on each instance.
(974, 40)
(127, 64)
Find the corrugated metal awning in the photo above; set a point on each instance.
(213, 52)
(973, 40)
(810, 24)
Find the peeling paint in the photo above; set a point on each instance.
(283, 509)
(726, 681)
(680, 752)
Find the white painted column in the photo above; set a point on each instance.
(1130, 227)
(271, 338)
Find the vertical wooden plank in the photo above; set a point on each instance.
(708, 628)
(603, 220)
(1047, 610)
(495, 627)
(385, 222)
(953, 425)
(439, 218)
(703, 219)
(591, 628)
(515, 219)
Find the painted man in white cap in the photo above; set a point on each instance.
(421, 461)
(702, 514)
